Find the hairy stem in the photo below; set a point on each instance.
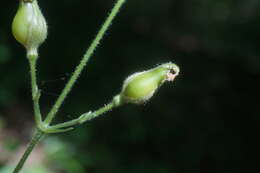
(35, 90)
(35, 98)
(35, 139)
(84, 61)
(88, 115)
(36, 93)
(92, 115)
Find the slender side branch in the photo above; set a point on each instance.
(89, 116)
(84, 61)
(35, 91)
(35, 139)
(64, 125)
(85, 117)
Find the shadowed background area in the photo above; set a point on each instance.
(206, 121)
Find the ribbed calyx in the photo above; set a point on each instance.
(29, 26)
(141, 86)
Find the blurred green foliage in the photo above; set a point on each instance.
(35, 169)
(206, 121)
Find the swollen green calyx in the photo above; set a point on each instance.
(140, 87)
(29, 26)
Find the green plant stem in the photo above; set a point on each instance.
(86, 116)
(35, 98)
(35, 90)
(36, 94)
(64, 125)
(90, 116)
(35, 139)
(83, 62)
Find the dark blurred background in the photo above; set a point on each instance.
(206, 121)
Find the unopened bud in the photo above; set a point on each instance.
(29, 26)
(140, 87)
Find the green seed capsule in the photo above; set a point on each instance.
(140, 87)
(29, 26)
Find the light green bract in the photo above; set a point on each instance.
(29, 26)
(140, 87)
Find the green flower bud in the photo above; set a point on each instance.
(140, 87)
(29, 26)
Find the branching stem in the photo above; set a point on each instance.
(87, 116)
(35, 139)
(84, 61)
(36, 93)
